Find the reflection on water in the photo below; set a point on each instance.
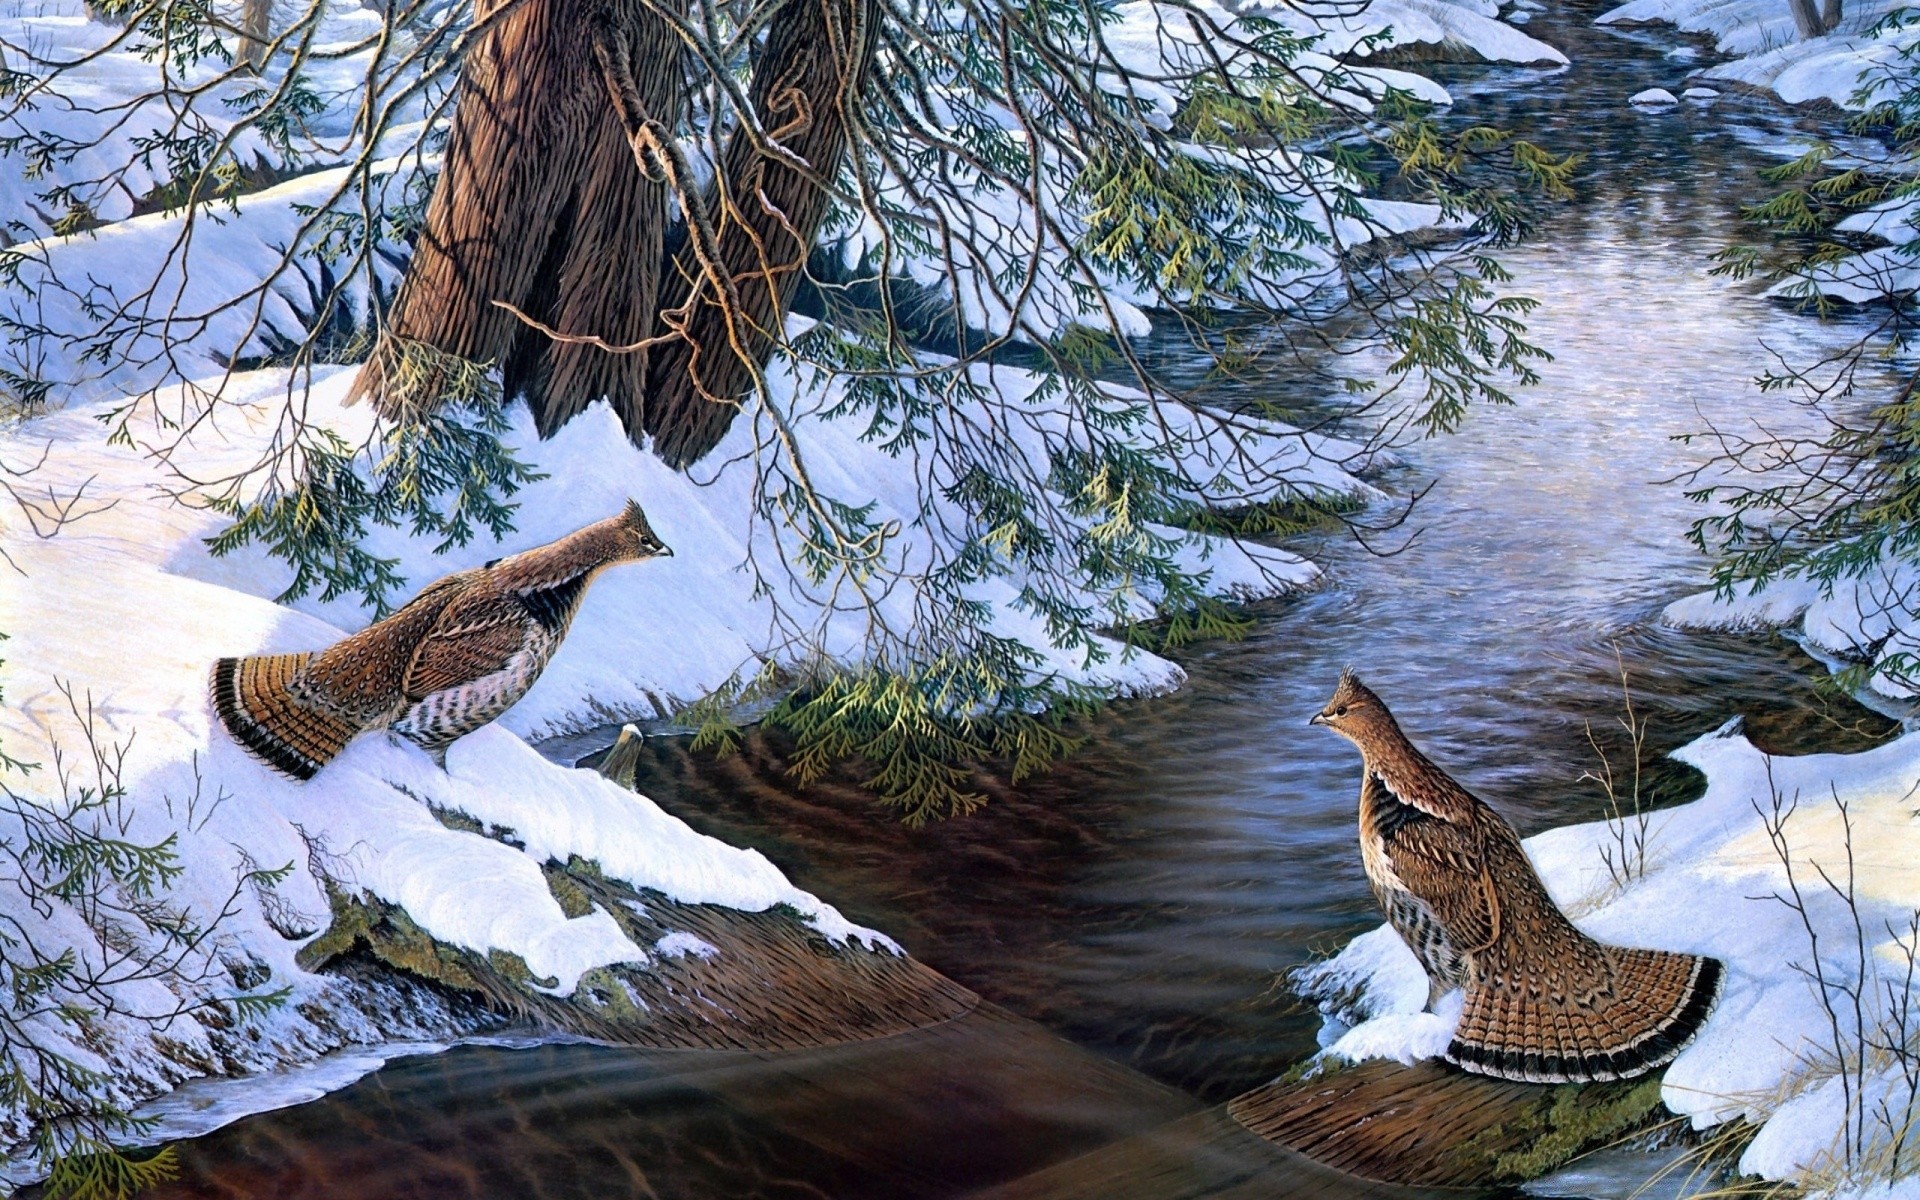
(1141, 902)
(987, 1104)
(978, 1100)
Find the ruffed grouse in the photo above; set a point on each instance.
(457, 656)
(1544, 1002)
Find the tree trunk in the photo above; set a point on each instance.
(766, 217)
(539, 206)
(1830, 15)
(608, 278)
(1806, 19)
(256, 30)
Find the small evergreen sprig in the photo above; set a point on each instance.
(919, 730)
(1841, 503)
(72, 852)
(444, 473)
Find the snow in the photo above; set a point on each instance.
(1868, 619)
(160, 298)
(1653, 97)
(1700, 93)
(1405, 1037)
(1891, 221)
(1712, 884)
(1467, 31)
(649, 636)
(679, 944)
(1769, 55)
(1871, 275)
(100, 122)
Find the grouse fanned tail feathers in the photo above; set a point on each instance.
(459, 654)
(1544, 1003)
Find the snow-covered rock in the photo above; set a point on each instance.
(1471, 32)
(1714, 883)
(1653, 98)
(1871, 618)
(1700, 93)
(1768, 53)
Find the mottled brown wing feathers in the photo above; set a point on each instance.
(365, 674)
(475, 636)
(1445, 865)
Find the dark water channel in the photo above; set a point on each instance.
(1129, 915)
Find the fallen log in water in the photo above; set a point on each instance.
(1433, 1125)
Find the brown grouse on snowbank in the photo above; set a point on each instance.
(1544, 1002)
(458, 655)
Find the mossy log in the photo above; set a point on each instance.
(751, 981)
(1433, 1125)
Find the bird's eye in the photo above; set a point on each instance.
(1341, 711)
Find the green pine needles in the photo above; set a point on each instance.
(1841, 504)
(64, 1003)
(917, 732)
(443, 473)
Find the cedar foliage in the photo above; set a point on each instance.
(1840, 504)
(68, 850)
(630, 199)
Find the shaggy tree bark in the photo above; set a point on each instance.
(1810, 22)
(767, 215)
(544, 247)
(539, 215)
(1806, 19)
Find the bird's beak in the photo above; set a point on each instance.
(1317, 719)
(664, 552)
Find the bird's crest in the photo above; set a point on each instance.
(635, 522)
(1349, 687)
(635, 518)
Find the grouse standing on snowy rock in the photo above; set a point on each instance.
(1544, 1002)
(457, 656)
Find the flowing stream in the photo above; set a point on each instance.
(1130, 915)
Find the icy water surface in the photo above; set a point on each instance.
(1129, 916)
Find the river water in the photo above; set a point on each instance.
(1130, 915)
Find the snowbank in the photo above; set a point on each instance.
(661, 634)
(1466, 31)
(1768, 53)
(125, 609)
(1872, 275)
(1869, 620)
(1713, 884)
(100, 125)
